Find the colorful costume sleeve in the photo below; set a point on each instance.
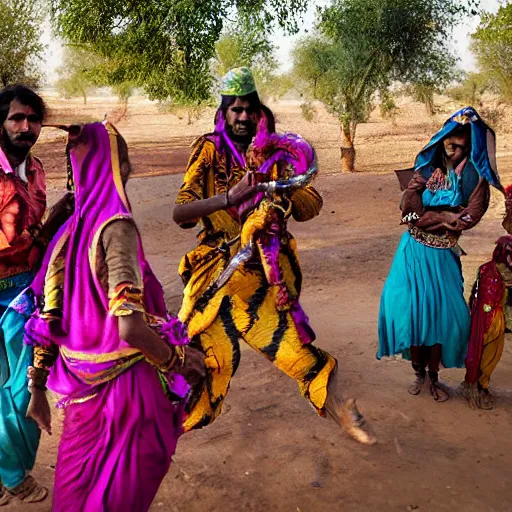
(193, 187)
(9, 212)
(200, 162)
(36, 188)
(306, 203)
(45, 357)
(119, 241)
(125, 300)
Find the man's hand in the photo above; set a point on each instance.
(59, 213)
(193, 369)
(64, 206)
(39, 410)
(244, 190)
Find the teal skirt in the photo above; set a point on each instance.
(423, 304)
(19, 436)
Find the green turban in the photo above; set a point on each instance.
(238, 82)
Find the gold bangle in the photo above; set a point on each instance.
(180, 351)
(169, 363)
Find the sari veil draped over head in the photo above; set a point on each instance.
(482, 157)
(73, 305)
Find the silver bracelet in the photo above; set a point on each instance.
(410, 217)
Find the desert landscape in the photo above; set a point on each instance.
(268, 451)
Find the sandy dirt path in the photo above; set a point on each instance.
(270, 451)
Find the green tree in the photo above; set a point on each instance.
(83, 70)
(388, 107)
(469, 91)
(363, 46)
(280, 85)
(243, 45)
(424, 93)
(313, 57)
(79, 72)
(20, 46)
(492, 45)
(165, 46)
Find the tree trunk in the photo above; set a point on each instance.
(348, 152)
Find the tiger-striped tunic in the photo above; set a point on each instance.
(245, 308)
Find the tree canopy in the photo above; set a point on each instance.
(362, 46)
(242, 45)
(78, 73)
(20, 46)
(165, 46)
(492, 45)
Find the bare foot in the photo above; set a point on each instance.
(355, 424)
(477, 398)
(438, 393)
(486, 401)
(470, 393)
(416, 387)
(5, 497)
(29, 491)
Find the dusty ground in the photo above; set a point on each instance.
(270, 452)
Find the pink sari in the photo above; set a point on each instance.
(120, 427)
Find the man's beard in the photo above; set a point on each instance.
(11, 148)
(243, 139)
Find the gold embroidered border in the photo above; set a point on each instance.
(116, 168)
(99, 358)
(71, 401)
(57, 248)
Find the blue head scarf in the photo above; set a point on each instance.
(483, 146)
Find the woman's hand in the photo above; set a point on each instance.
(39, 410)
(244, 190)
(193, 368)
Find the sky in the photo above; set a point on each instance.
(285, 43)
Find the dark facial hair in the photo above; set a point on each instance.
(244, 140)
(18, 152)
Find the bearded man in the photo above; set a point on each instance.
(250, 302)
(22, 206)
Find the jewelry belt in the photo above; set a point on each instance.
(447, 241)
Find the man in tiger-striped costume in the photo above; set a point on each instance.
(248, 306)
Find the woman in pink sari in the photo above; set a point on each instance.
(104, 340)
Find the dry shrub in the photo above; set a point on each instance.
(494, 115)
(308, 111)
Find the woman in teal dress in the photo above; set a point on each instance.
(20, 436)
(423, 315)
